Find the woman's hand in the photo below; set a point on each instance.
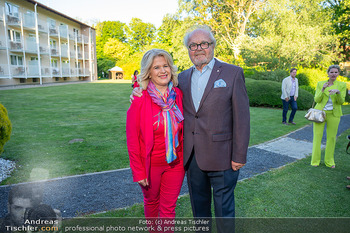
(325, 85)
(143, 182)
(334, 91)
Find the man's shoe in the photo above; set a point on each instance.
(348, 177)
(293, 123)
(348, 186)
(285, 123)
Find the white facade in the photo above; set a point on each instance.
(40, 45)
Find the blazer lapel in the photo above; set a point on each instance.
(213, 77)
(187, 92)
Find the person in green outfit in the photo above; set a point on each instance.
(329, 96)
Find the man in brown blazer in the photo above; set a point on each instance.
(216, 128)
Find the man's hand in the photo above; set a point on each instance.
(236, 166)
(295, 98)
(286, 99)
(136, 92)
(143, 182)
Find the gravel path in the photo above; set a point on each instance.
(97, 192)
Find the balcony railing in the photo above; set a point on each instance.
(63, 31)
(29, 21)
(53, 32)
(54, 53)
(18, 71)
(45, 71)
(73, 72)
(64, 50)
(2, 43)
(55, 72)
(33, 70)
(65, 71)
(44, 50)
(13, 20)
(16, 46)
(87, 72)
(31, 46)
(86, 39)
(42, 26)
(4, 70)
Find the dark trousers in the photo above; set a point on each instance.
(223, 184)
(286, 104)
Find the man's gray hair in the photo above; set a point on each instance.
(199, 27)
(333, 67)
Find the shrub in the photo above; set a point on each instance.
(5, 127)
(268, 94)
(276, 75)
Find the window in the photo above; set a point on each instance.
(53, 44)
(75, 32)
(54, 63)
(14, 36)
(12, 9)
(16, 60)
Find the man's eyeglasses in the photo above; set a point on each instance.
(203, 45)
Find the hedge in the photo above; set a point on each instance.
(268, 94)
(5, 127)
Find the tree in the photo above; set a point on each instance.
(5, 127)
(139, 34)
(289, 33)
(228, 18)
(114, 49)
(340, 10)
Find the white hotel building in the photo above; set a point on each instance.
(40, 45)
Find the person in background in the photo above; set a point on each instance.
(155, 140)
(134, 79)
(289, 96)
(329, 96)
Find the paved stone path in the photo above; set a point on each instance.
(97, 192)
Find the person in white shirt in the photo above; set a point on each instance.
(289, 96)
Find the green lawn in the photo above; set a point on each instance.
(46, 119)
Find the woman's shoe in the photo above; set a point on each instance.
(314, 165)
(348, 186)
(333, 166)
(348, 177)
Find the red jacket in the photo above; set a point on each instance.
(139, 134)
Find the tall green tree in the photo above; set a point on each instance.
(228, 18)
(289, 33)
(139, 34)
(340, 10)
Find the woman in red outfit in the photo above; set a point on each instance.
(154, 130)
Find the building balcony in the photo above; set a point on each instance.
(42, 26)
(4, 73)
(45, 71)
(72, 55)
(30, 45)
(43, 50)
(73, 72)
(13, 21)
(85, 39)
(86, 56)
(33, 71)
(63, 31)
(65, 71)
(18, 71)
(53, 32)
(87, 72)
(55, 72)
(54, 53)
(16, 46)
(80, 56)
(29, 22)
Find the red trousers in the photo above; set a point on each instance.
(161, 195)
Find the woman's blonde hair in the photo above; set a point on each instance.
(146, 65)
